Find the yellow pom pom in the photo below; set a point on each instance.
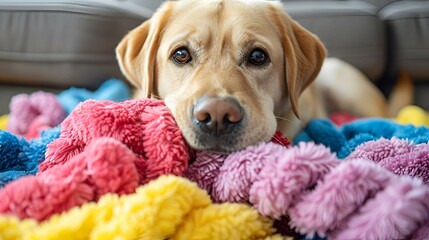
(413, 115)
(3, 121)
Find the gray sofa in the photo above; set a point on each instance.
(380, 37)
(54, 44)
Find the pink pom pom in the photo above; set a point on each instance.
(24, 109)
(394, 213)
(289, 173)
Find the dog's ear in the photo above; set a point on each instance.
(136, 53)
(304, 55)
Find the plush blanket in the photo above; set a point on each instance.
(343, 140)
(330, 183)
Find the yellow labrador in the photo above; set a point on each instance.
(234, 71)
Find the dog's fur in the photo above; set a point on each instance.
(220, 34)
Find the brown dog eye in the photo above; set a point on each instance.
(258, 57)
(182, 56)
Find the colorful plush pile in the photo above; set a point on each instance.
(31, 114)
(103, 147)
(320, 193)
(167, 208)
(88, 179)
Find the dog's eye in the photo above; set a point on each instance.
(258, 57)
(182, 56)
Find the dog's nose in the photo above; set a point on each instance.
(216, 115)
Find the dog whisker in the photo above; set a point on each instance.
(294, 123)
(284, 119)
(279, 141)
(264, 140)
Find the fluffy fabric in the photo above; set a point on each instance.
(320, 193)
(105, 166)
(103, 147)
(283, 178)
(113, 90)
(343, 140)
(3, 121)
(340, 119)
(422, 233)
(395, 213)
(413, 115)
(167, 208)
(108, 147)
(19, 157)
(399, 156)
(30, 114)
(145, 126)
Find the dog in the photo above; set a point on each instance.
(232, 72)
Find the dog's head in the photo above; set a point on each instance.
(225, 68)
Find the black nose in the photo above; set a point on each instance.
(216, 115)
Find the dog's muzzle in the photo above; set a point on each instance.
(217, 122)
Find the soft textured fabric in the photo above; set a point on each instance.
(146, 126)
(413, 115)
(19, 157)
(167, 208)
(103, 147)
(410, 114)
(113, 89)
(340, 119)
(30, 114)
(343, 140)
(398, 156)
(320, 193)
(98, 139)
(3, 121)
(105, 166)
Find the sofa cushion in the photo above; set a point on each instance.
(408, 22)
(350, 30)
(59, 43)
